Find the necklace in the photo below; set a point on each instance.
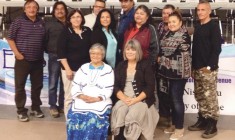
(95, 73)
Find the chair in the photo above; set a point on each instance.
(230, 16)
(187, 16)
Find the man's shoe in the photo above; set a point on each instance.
(211, 129)
(164, 122)
(177, 134)
(170, 129)
(61, 110)
(199, 125)
(54, 113)
(37, 113)
(23, 117)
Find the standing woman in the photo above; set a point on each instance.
(73, 51)
(104, 33)
(175, 66)
(144, 32)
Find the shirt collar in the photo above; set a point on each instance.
(26, 18)
(130, 13)
(93, 68)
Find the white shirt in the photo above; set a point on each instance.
(90, 20)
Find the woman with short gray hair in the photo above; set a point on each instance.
(91, 90)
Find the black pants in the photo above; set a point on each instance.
(163, 97)
(24, 68)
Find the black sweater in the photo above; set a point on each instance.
(74, 48)
(206, 45)
(144, 79)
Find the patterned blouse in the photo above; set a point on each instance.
(175, 55)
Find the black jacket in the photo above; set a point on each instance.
(143, 80)
(98, 36)
(53, 30)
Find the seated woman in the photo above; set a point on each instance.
(134, 113)
(88, 117)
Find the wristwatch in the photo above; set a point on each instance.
(208, 68)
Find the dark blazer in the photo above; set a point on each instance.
(98, 36)
(143, 80)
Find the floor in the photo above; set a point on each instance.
(54, 128)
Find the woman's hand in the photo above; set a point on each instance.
(131, 101)
(69, 74)
(89, 99)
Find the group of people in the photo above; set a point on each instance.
(107, 79)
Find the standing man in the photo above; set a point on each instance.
(205, 57)
(163, 26)
(54, 27)
(162, 83)
(26, 36)
(90, 18)
(126, 18)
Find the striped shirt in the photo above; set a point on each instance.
(28, 36)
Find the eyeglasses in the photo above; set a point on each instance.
(96, 6)
(124, 1)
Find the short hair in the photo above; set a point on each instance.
(71, 13)
(98, 25)
(59, 3)
(98, 46)
(177, 14)
(124, 0)
(169, 6)
(134, 44)
(31, 1)
(204, 1)
(101, 1)
(146, 10)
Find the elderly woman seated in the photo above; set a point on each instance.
(134, 113)
(88, 118)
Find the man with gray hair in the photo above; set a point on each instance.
(205, 57)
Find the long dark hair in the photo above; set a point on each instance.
(98, 25)
(72, 13)
(59, 3)
(149, 20)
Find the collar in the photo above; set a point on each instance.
(130, 13)
(26, 17)
(84, 29)
(91, 67)
(57, 20)
(104, 29)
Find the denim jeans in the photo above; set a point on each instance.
(55, 77)
(23, 68)
(176, 91)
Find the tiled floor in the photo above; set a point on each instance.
(54, 128)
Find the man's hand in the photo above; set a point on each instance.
(19, 56)
(205, 70)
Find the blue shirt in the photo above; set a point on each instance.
(125, 20)
(111, 48)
